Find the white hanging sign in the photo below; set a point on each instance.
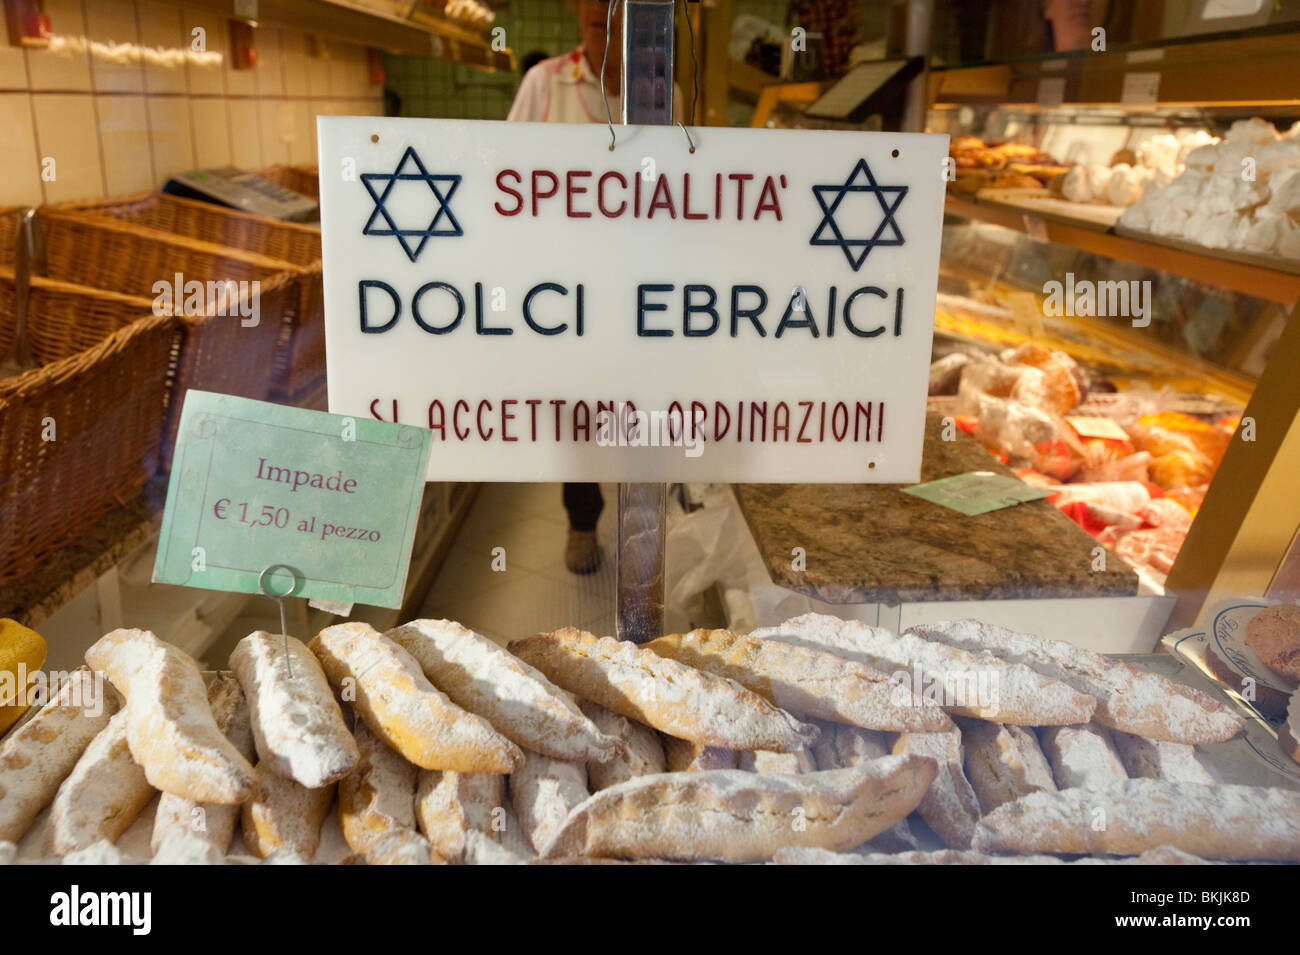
(759, 310)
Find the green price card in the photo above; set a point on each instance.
(976, 492)
(318, 504)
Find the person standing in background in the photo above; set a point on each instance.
(566, 89)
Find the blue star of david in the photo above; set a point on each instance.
(402, 172)
(856, 250)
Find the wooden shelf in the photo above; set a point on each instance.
(350, 22)
(1273, 285)
(1232, 71)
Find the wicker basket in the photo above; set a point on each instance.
(304, 180)
(290, 241)
(217, 352)
(300, 363)
(103, 383)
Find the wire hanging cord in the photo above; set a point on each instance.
(695, 64)
(604, 95)
(695, 70)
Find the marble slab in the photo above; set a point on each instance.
(871, 543)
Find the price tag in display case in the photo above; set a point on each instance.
(976, 492)
(1050, 92)
(1086, 426)
(1140, 89)
(1026, 314)
(751, 305)
(1036, 228)
(329, 502)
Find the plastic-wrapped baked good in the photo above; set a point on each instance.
(1057, 389)
(1016, 430)
(1256, 131)
(945, 374)
(1109, 460)
(1075, 186)
(1124, 186)
(1177, 469)
(1284, 196)
(1159, 152)
(988, 376)
(1261, 235)
(1174, 431)
(1098, 179)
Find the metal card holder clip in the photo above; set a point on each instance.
(296, 579)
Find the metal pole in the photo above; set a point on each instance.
(642, 508)
(920, 14)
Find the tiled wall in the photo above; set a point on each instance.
(122, 101)
(430, 87)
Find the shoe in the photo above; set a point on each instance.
(581, 552)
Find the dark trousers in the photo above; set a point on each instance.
(584, 504)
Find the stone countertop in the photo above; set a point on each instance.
(871, 543)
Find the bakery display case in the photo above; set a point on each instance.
(1131, 214)
(1084, 609)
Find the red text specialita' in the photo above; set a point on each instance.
(583, 194)
(623, 424)
(276, 517)
(661, 310)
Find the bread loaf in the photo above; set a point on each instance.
(642, 751)
(210, 823)
(1143, 703)
(1132, 817)
(1003, 763)
(403, 847)
(806, 682)
(966, 683)
(284, 815)
(1082, 756)
(40, 754)
(297, 725)
(400, 705)
(842, 747)
(379, 796)
(170, 727)
(683, 756)
(676, 699)
(735, 816)
(950, 806)
(516, 699)
(449, 806)
(1155, 759)
(766, 761)
(102, 795)
(543, 791)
